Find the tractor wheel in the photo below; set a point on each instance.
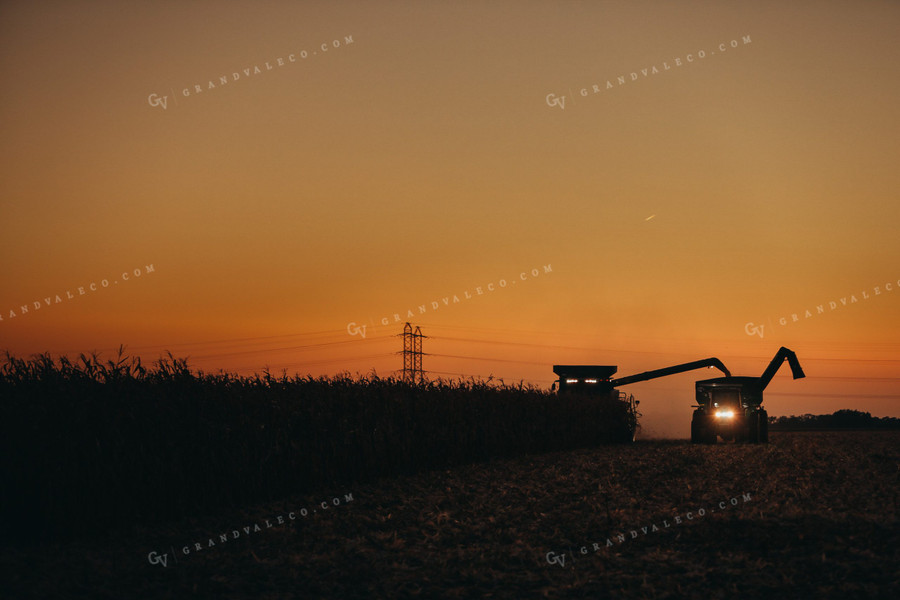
(702, 429)
(711, 436)
(707, 430)
(696, 430)
(763, 427)
(740, 429)
(752, 428)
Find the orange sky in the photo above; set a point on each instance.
(420, 159)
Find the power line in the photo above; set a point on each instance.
(525, 362)
(493, 377)
(296, 364)
(375, 339)
(130, 350)
(251, 339)
(829, 395)
(203, 343)
(841, 345)
(551, 346)
(239, 352)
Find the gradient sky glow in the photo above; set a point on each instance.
(422, 160)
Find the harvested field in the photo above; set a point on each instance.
(816, 516)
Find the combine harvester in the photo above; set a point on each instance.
(595, 380)
(729, 407)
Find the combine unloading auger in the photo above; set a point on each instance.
(697, 364)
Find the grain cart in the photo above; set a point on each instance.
(729, 407)
(597, 380)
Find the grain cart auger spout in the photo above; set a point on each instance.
(597, 380)
(730, 407)
(782, 355)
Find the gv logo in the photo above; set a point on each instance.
(156, 559)
(155, 100)
(752, 329)
(353, 329)
(560, 102)
(555, 559)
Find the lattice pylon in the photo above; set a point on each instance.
(409, 360)
(412, 355)
(418, 372)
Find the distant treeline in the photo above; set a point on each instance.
(87, 445)
(842, 419)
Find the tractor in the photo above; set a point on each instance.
(730, 407)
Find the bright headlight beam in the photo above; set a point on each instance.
(724, 414)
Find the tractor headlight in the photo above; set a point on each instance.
(724, 414)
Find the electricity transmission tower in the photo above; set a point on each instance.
(412, 354)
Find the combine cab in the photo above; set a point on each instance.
(730, 407)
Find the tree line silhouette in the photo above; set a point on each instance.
(841, 419)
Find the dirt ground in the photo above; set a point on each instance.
(811, 515)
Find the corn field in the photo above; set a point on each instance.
(88, 445)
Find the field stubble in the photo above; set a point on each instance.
(821, 523)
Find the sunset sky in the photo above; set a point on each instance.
(425, 153)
